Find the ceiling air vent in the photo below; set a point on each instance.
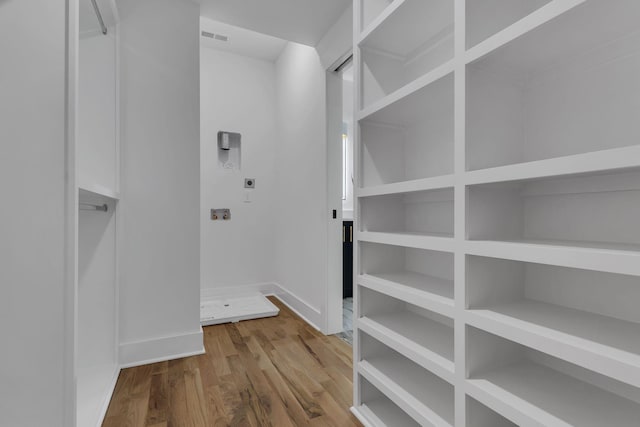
(220, 37)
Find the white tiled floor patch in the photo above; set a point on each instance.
(235, 309)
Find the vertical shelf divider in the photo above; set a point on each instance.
(460, 209)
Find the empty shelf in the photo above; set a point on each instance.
(382, 412)
(432, 293)
(535, 395)
(434, 183)
(595, 161)
(433, 241)
(623, 259)
(97, 190)
(425, 397)
(600, 343)
(425, 341)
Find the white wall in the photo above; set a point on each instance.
(160, 239)
(338, 41)
(301, 244)
(32, 218)
(97, 112)
(238, 94)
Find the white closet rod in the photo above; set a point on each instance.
(99, 15)
(92, 207)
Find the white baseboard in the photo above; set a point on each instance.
(228, 291)
(108, 396)
(161, 349)
(310, 315)
(365, 422)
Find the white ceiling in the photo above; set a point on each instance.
(301, 21)
(241, 41)
(88, 19)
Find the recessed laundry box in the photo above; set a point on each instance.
(216, 310)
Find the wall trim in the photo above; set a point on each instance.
(356, 412)
(109, 395)
(161, 349)
(308, 313)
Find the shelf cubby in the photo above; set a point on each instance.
(422, 277)
(596, 211)
(379, 410)
(589, 318)
(414, 37)
(532, 388)
(479, 415)
(98, 162)
(567, 87)
(427, 398)
(423, 336)
(486, 18)
(411, 138)
(420, 213)
(373, 11)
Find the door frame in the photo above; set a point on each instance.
(333, 301)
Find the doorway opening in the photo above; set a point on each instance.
(340, 94)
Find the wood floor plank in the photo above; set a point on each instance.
(272, 372)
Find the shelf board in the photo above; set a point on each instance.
(425, 397)
(530, 394)
(594, 162)
(622, 259)
(98, 190)
(408, 104)
(529, 23)
(382, 412)
(431, 293)
(435, 242)
(433, 183)
(384, 15)
(599, 343)
(422, 340)
(560, 30)
(407, 25)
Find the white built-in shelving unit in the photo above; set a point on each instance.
(97, 176)
(497, 213)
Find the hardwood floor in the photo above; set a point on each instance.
(276, 372)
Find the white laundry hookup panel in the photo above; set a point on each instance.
(215, 311)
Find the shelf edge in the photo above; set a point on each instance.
(425, 299)
(514, 409)
(415, 352)
(379, 20)
(424, 184)
(585, 353)
(614, 159)
(527, 24)
(405, 400)
(99, 190)
(408, 89)
(594, 259)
